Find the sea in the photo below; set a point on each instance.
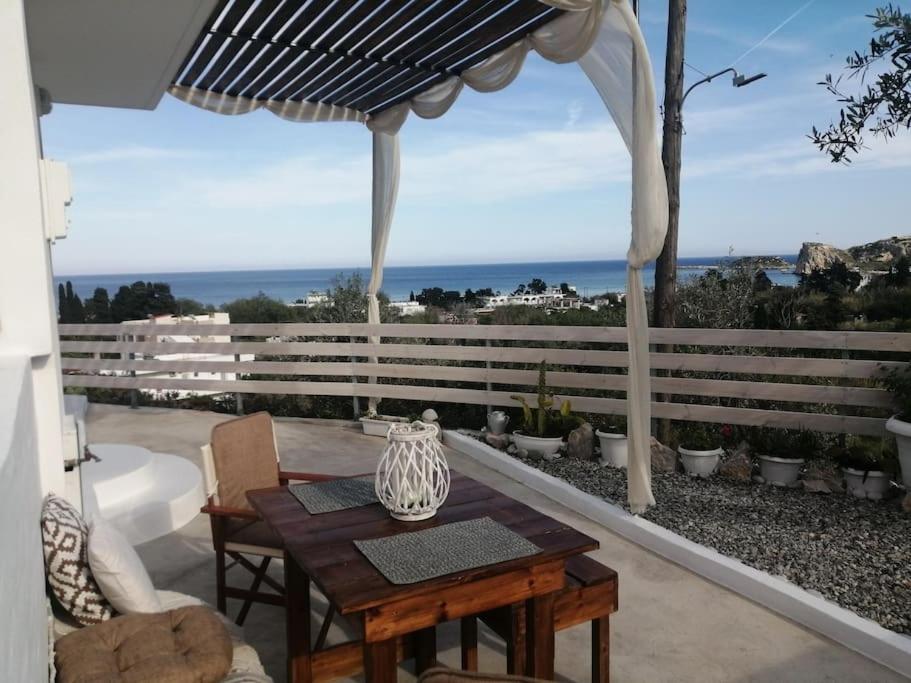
(218, 287)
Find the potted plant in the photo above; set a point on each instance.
(867, 465)
(612, 436)
(543, 428)
(700, 450)
(378, 425)
(899, 383)
(782, 453)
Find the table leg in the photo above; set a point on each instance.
(297, 596)
(469, 633)
(425, 642)
(539, 614)
(380, 665)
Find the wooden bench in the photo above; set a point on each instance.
(590, 594)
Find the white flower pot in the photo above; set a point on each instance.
(379, 425)
(545, 447)
(700, 463)
(902, 432)
(412, 477)
(780, 471)
(614, 452)
(873, 486)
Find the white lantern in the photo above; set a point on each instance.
(412, 478)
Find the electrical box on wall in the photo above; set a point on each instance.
(57, 193)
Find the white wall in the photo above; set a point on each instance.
(24, 635)
(28, 322)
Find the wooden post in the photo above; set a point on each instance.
(134, 393)
(238, 397)
(666, 265)
(489, 384)
(355, 401)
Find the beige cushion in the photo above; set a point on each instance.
(244, 458)
(186, 645)
(443, 675)
(119, 572)
(65, 538)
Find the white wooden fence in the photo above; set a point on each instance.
(808, 379)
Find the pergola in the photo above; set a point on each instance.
(376, 61)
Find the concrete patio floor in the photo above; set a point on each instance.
(672, 624)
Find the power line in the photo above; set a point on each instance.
(698, 71)
(775, 30)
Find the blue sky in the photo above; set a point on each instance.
(533, 173)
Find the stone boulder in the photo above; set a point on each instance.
(581, 442)
(822, 477)
(498, 441)
(738, 467)
(817, 256)
(664, 458)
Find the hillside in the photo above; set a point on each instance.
(873, 256)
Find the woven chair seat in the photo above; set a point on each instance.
(242, 535)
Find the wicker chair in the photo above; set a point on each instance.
(243, 456)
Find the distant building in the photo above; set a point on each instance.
(166, 320)
(552, 297)
(407, 307)
(314, 298)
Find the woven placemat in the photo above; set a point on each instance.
(336, 494)
(447, 549)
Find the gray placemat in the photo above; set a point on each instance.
(334, 495)
(447, 549)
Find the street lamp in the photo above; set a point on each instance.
(738, 81)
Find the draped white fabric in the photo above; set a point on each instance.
(618, 51)
(288, 110)
(604, 37)
(385, 191)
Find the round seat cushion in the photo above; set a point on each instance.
(185, 645)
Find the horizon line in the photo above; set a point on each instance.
(342, 269)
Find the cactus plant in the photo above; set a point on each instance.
(544, 421)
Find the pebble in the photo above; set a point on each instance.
(853, 552)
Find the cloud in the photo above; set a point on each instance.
(131, 153)
(573, 113)
(800, 158)
(472, 170)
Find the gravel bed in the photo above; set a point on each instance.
(854, 552)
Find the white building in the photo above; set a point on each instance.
(312, 299)
(407, 307)
(552, 297)
(189, 357)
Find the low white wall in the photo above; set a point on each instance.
(24, 635)
(862, 635)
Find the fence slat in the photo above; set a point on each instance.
(806, 339)
(681, 386)
(677, 411)
(692, 362)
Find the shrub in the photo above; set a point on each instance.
(898, 382)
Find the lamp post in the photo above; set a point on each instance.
(671, 152)
(738, 81)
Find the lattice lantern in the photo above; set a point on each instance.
(412, 478)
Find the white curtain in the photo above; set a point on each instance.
(385, 191)
(617, 52)
(604, 37)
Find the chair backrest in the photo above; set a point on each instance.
(244, 458)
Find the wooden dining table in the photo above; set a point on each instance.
(397, 621)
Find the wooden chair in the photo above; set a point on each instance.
(241, 456)
(590, 594)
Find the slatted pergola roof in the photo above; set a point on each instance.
(366, 55)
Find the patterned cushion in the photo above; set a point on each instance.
(66, 562)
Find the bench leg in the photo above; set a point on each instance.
(516, 645)
(469, 628)
(601, 650)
